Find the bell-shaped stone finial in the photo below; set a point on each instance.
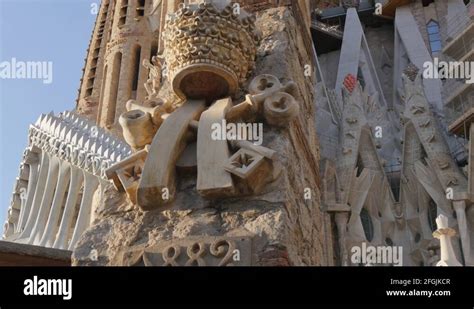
(444, 234)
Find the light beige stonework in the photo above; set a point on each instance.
(285, 226)
(143, 181)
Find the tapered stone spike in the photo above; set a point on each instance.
(46, 184)
(81, 141)
(52, 126)
(40, 120)
(60, 125)
(112, 156)
(87, 144)
(45, 123)
(93, 146)
(75, 138)
(69, 135)
(100, 150)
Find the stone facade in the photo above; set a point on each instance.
(357, 130)
(351, 147)
(276, 220)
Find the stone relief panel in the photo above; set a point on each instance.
(192, 251)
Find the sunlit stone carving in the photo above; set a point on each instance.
(210, 49)
(62, 167)
(192, 251)
(167, 132)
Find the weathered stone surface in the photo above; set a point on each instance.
(285, 228)
(192, 251)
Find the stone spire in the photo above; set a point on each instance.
(93, 72)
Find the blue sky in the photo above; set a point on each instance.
(38, 30)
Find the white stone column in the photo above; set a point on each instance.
(83, 219)
(444, 234)
(43, 213)
(58, 201)
(38, 196)
(460, 208)
(30, 194)
(71, 201)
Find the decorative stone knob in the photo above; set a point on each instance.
(138, 128)
(280, 109)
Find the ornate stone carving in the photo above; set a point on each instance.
(126, 174)
(78, 141)
(140, 123)
(210, 49)
(253, 168)
(168, 133)
(154, 81)
(213, 180)
(260, 5)
(61, 169)
(193, 251)
(279, 106)
(158, 181)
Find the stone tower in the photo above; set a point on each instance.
(122, 39)
(126, 33)
(91, 83)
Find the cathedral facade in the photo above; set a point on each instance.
(259, 132)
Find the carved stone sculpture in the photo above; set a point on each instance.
(126, 173)
(253, 166)
(209, 50)
(140, 123)
(197, 251)
(153, 84)
(63, 166)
